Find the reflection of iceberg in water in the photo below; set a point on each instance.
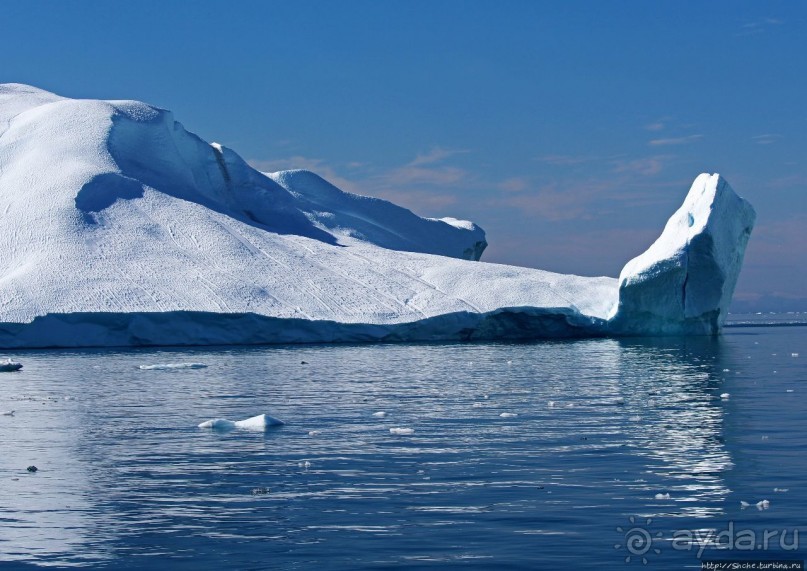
(676, 421)
(48, 515)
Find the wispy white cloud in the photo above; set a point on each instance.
(647, 166)
(655, 126)
(759, 26)
(675, 140)
(514, 184)
(435, 155)
(766, 139)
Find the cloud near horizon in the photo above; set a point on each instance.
(674, 140)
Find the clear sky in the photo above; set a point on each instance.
(570, 131)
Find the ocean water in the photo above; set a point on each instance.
(604, 444)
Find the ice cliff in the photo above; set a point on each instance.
(119, 227)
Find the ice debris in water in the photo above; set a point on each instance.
(8, 413)
(508, 415)
(305, 465)
(761, 505)
(260, 422)
(725, 396)
(402, 430)
(794, 354)
(7, 365)
(314, 433)
(781, 490)
(662, 496)
(380, 414)
(171, 366)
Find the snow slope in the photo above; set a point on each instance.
(119, 227)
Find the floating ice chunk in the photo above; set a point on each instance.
(218, 424)
(662, 496)
(789, 391)
(508, 415)
(402, 430)
(8, 413)
(8, 366)
(726, 370)
(781, 490)
(725, 396)
(794, 354)
(171, 366)
(260, 422)
(314, 433)
(305, 465)
(550, 404)
(478, 405)
(743, 504)
(619, 401)
(380, 414)
(763, 505)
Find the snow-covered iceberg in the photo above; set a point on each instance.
(122, 228)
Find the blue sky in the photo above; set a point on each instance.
(569, 131)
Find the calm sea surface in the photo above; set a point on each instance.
(551, 455)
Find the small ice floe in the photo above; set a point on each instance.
(508, 415)
(550, 404)
(486, 397)
(726, 370)
(380, 414)
(9, 413)
(794, 354)
(260, 491)
(761, 505)
(509, 362)
(663, 496)
(8, 366)
(314, 433)
(172, 366)
(477, 405)
(304, 465)
(619, 401)
(402, 431)
(789, 391)
(636, 418)
(260, 422)
(725, 396)
(781, 490)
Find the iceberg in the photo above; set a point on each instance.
(122, 228)
(258, 423)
